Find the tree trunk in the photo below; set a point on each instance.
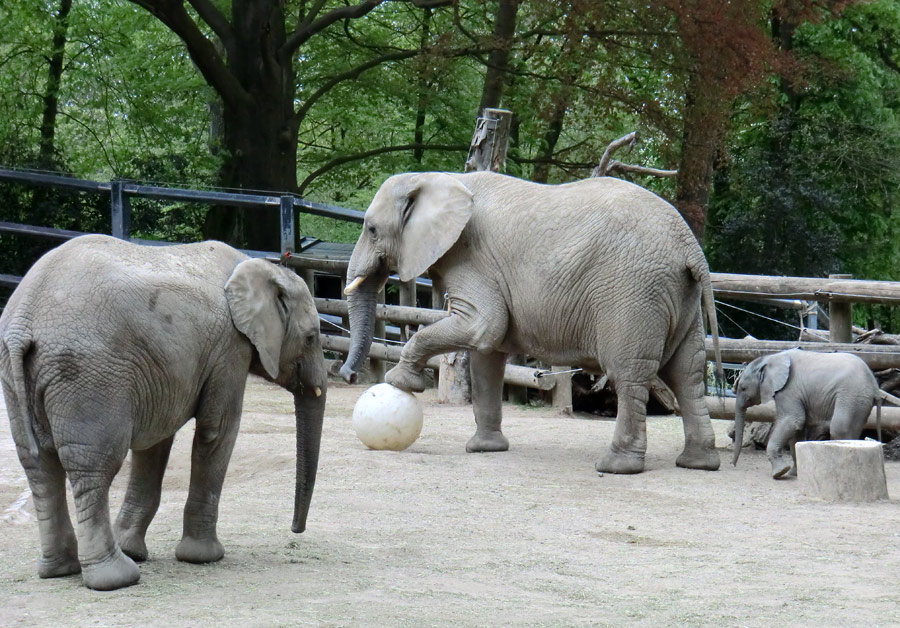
(47, 155)
(259, 137)
(498, 57)
(551, 136)
(424, 90)
(703, 117)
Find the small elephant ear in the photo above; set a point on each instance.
(254, 295)
(774, 376)
(440, 208)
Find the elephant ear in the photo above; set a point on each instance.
(774, 376)
(255, 298)
(437, 210)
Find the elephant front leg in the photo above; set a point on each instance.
(142, 498)
(779, 450)
(487, 372)
(472, 329)
(213, 444)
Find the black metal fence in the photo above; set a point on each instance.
(122, 191)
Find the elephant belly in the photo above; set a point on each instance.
(552, 349)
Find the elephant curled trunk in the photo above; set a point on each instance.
(361, 301)
(309, 409)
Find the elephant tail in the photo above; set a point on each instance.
(700, 272)
(880, 399)
(16, 351)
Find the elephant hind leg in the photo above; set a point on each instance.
(59, 547)
(631, 378)
(685, 374)
(91, 471)
(142, 498)
(848, 419)
(629, 445)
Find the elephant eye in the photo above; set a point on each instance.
(372, 231)
(310, 338)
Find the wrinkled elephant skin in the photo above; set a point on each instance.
(107, 347)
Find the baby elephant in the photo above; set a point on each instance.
(825, 393)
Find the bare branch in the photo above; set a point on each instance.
(609, 165)
(308, 29)
(344, 159)
(203, 52)
(653, 172)
(346, 76)
(217, 22)
(603, 167)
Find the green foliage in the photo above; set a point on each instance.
(807, 183)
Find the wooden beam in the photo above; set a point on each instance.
(878, 357)
(723, 408)
(516, 375)
(750, 287)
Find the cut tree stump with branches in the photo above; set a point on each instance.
(607, 165)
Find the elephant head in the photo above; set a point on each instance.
(412, 221)
(273, 308)
(758, 383)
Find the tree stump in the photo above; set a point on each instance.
(842, 470)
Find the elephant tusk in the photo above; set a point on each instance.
(318, 391)
(353, 285)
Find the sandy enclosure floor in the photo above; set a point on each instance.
(436, 537)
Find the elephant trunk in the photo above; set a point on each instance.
(361, 305)
(309, 409)
(738, 431)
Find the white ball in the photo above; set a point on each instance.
(386, 417)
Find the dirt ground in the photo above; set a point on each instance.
(433, 536)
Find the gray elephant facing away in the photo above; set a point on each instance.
(816, 395)
(108, 346)
(601, 274)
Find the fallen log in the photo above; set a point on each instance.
(723, 408)
(878, 357)
(516, 375)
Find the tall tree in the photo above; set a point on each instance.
(257, 79)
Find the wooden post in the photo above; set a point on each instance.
(490, 141)
(121, 211)
(840, 316)
(561, 394)
(377, 366)
(288, 230)
(408, 298)
(487, 152)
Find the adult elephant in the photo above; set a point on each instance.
(601, 274)
(108, 346)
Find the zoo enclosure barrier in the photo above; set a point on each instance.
(313, 259)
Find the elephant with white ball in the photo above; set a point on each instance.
(816, 395)
(107, 347)
(600, 273)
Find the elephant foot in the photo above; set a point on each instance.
(780, 468)
(614, 461)
(703, 459)
(58, 566)
(487, 441)
(405, 378)
(132, 545)
(194, 550)
(115, 572)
